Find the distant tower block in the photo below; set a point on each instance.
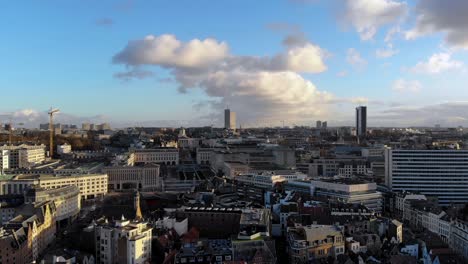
(229, 119)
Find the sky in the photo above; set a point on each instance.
(180, 63)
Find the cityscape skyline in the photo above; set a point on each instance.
(256, 132)
(285, 64)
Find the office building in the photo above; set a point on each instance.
(361, 122)
(91, 185)
(324, 124)
(318, 124)
(268, 179)
(24, 156)
(130, 177)
(66, 200)
(229, 119)
(349, 191)
(439, 173)
(168, 156)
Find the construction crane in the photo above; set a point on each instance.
(51, 113)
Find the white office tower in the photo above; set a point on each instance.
(440, 173)
(229, 119)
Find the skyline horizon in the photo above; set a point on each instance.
(30, 118)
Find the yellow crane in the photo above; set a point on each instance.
(51, 113)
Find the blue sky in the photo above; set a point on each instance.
(63, 54)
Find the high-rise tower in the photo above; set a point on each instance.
(361, 122)
(229, 119)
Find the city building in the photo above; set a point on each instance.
(361, 122)
(434, 172)
(459, 237)
(24, 156)
(4, 160)
(346, 190)
(229, 119)
(133, 177)
(91, 185)
(205, 251)
(86, 126)
(64, 149)
(204, 155)
(167, 156)
(307, 244)
(267, 179)
(318, 124)
(123, 241)
(207, 219)
(27, 235)
(66, 200)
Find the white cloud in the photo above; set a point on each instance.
(437, 63)
(308, 58)
(448, 17)
(387, 52)
(262, 94)
(354, 58)
(367, 16)
(406, 86)
(267, 87)
(168, 51)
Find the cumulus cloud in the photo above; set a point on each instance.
(133, 74)
(438, 63)
(354, 58)
(388, 52)
(367, 16)
(448, 17)
(256, 87)
(406, 86)
(168, 51)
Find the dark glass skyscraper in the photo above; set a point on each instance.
(361, 121)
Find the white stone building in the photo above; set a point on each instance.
(123, 241)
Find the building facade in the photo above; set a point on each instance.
(24, 156)
(123, 241)
(168, 156)
(90, 185)
(439, 173)
(66, 199)
(28, 235)
(307, 244)
(130, 177)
